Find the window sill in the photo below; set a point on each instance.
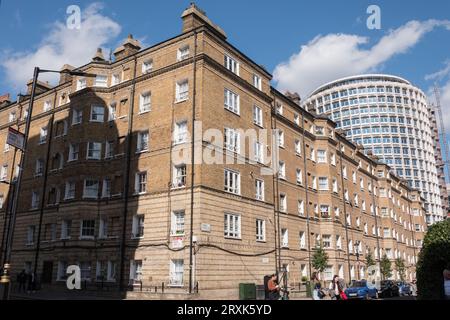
(143, 151)
(137, 238)
(179, 187)
(233, 238)
(181, 100)
(96, 121)
(86, 238)
(65, 239)
(140, 193)
(89, 198)
(144, 112)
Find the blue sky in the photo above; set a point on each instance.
(271, 32)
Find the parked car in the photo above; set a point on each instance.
(388, 289)
(404, 288)
(360, 290)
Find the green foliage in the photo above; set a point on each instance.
(385, 267)
(369, 259)
(320, 259)
(434, 258)
(401, 268)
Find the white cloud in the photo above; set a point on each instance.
(327, 58)
(441, 74)
(62, 46)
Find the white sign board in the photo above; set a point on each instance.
(15, 138)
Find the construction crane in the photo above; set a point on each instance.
(445, 151)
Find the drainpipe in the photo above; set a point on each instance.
(127, 178)
(376, 224)
(345, 213)
(44, 188)
(306, 207)
(191, 240)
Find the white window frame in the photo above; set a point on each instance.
(140, 148)
(260, 230)
(84, 228)
(232, 226)
(88, 190)
(101, 81)
(231, 101)
(97, 114)
(232, 181)
(140, 183)
(94, 151)
(259, 187)
(231, 64)
(145, 102)
(69, 190)
(257, 116)
(182, 90)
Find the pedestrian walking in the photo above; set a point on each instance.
(447, 283)
(316, 285)
(21, 280)
(337, 289)
(273, 287)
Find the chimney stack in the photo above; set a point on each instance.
(4, 100)
(194, 17)
(128, 48)
(41, 87)
(295, 97)
(65, 77)
(99, 56)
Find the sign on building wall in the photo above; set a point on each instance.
(15, 138)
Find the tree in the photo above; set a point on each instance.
(385, 267)
(434, 258)
(320, 259)
(400, 267)
(369, 259)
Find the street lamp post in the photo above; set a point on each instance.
(5, 279)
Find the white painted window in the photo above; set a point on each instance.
(4, 173)
(111, 272)
(338, 242)
(296, 119)
(87, 229)
(183, 53)
(182, 90)
(135, 271)
(81, 84)
(30, 235)
(302, 240)
(323, 183)
(177, 223)
(333, 159)
(232, 226)
(257, 82)
(232, 181)
(109, 149)
(74, 150)
(43, 135)
(47, 105)
(12, 116)
(176, 276)
(138, 226)
(283, 202)
(97, 114)
(66, 227)
(279, 109)
(258, 152)
(69, 190)
(232, 101)
(282, 170)
(232, 140)
(281, 138)
(142, 141)
(284, 238)
(39, 167)
(326, 241)
(180, 132)
(260, 230)
(62, 269)
(301, 207)
(231, 64)
(257, 116)
(106, 188)
(299, 176)
(298, 147)
(179, 176)
(34, 200)
(259, 185)
(101, 81)
(313, 155)
(335, 185)
(103, 228)
(344, 172)
(90, 190)
(140, 186)
(115, 79)
(145, 102)
(321, 156)
(94, 151)
(77, 116)
(328, 273)
(147, 66)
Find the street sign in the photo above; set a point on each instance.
(15, 138)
